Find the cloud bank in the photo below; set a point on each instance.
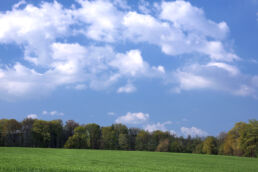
(54, 57)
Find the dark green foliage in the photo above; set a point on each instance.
(94, 133)
(241, 140)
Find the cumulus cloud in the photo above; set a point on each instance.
(133, 118)
(50, 61)
(193, 131)
(213, 76)
(32, 116)
(158, 126)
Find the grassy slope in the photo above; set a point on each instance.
(34, 159)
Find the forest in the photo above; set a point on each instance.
(241, 140)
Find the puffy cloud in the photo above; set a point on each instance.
(192, 19)
(73, 64)
(35, 28)
(43, 32)
(101, 16)
(133, 118)
(53, 113)
(189, 81)
(213, 76)
(32, 116)
(158, 126)
(130, 63)
(128, 88)
(185, 30)
(193, 131)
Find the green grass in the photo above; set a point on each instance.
(66, 160)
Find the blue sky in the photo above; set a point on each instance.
(189, 67)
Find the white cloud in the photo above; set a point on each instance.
(128, 88)
(189, 18)
(189, 81)
(158, 126)
(133, 118)
(130, 63)
(193, 131)
(213, 76)
(32, 116)
(231, 69)
(177, 27)
(102, 17)
(53, 113)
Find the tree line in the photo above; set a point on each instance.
(241, 140)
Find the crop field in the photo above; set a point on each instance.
(65, 160)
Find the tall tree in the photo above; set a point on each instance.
(108, 138)
(56, 133)
(210, 145)
(142, 140)
(12, 133)
(94, 133)
(27, 125)
(69, 127)
(41, 133)
(132, 133)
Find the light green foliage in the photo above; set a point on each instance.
(123, 141)
(79, 140)
(210, 145)
(108, 138)
(94, 135)
(79, 160)
(242, 140)
(41, 133)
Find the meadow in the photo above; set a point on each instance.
(82, 160)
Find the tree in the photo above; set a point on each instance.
(210, 145)
(132, 133)
(41, 133)
(108, 139)
(2, 122)
(11, 133)
(27, 125)
(232, 144)
(156, 137)
(69, 127)
(249, 139)
(94, 133)
(80, 139)
(123, 141)
(163, 145)
(177, 145)
(142, 140)
(221, 140)
(56, 133)
(120, 129)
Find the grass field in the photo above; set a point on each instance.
(64, 160)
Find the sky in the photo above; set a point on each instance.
(187, 67)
